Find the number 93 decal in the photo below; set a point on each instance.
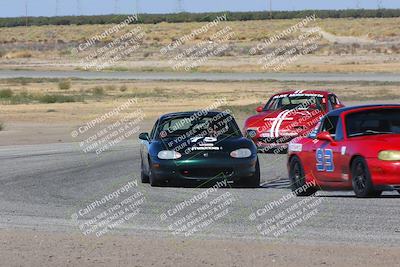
(325, 160)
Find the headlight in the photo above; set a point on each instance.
(389, 155)
(169, 154)
(241, 153)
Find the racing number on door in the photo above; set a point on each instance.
(325, 160)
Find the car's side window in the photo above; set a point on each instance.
(154, 130)
(332, 102)
(336, 99)
(316, 130)
(339, 135)
(330, 125)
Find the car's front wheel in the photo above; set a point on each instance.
(152, 178)
(254, 181)
(143, 176)
(298, 179)
(361, 180)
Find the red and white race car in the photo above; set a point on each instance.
(352, 148)
(288, 115)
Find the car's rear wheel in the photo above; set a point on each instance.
(298, 179)
(143, 176)
(361, 180)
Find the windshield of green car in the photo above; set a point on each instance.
(187, 126)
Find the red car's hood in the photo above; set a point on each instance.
(277, 123)
(286, 116)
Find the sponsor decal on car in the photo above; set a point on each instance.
(344, 150)
(265, 135)
(276, 125)
(294, 147)
(201, 148)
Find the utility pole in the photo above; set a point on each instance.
(57, 4)
(379, 3)
(270, 9)
(180, 7)
(116, 7)
(26, 13)
(358, 4)
(78, 7)
(137, 7)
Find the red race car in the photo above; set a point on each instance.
(352, 148)
(286, 116)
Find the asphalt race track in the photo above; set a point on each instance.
(42, 186)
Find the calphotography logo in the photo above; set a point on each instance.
(110, 129)
(289, 51)
(199, 212)
(99, 53)
(111, 211)
(285, 214)
(184, 55)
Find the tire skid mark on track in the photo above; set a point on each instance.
(282, 183)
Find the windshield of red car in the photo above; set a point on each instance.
(301, 101)
(373, 122)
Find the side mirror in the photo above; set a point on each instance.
(144, 136)
(259, 109)
(325, 136)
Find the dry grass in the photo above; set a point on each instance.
(164, 33)
(156, 98)
(18, 54)
(53, 44)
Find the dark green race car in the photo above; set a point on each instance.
(198, 147)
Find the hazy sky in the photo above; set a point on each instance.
(12, 8)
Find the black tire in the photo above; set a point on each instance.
(254, 181)
(144, 178)
(151, 177)
(361, 180)
(297, 179)
(152, 180)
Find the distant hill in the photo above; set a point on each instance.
(198, 17)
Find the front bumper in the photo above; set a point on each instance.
(384, 173)
(263, 141)
(202, 170)
(275, 147)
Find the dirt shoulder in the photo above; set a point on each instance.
(28, 115)
(65, 249)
